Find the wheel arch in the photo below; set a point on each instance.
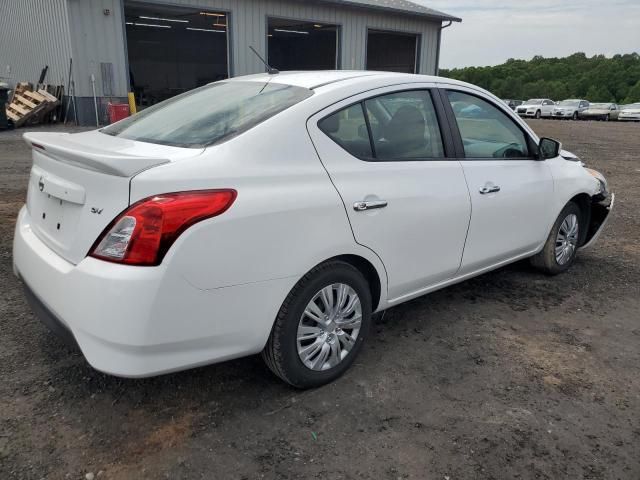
(584, 201)
(369, 272)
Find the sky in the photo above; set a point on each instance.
(493, 31)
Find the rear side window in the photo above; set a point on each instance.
(486, 131)
(404, 126)
(398, 126)
(210, 114)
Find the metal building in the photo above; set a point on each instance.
(159, 48)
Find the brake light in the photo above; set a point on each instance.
(142, 234)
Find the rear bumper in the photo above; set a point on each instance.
(46, 316)
(142, 321)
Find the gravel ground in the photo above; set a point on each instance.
(510, 375)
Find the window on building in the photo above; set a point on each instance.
(174, 49)
(299, 45)
(392, 51)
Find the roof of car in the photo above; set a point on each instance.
(319, 78)
(405, 7)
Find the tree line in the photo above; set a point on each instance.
(597, 78)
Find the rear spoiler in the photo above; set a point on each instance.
(61, 147)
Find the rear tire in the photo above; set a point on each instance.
(288, 356)
(560, 249)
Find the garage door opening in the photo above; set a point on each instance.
(173, 49)
(392, 52)
(297, 45)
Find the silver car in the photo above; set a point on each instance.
(630, 113)
(570, 109)
(600, 111)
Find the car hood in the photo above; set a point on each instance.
(633, 111)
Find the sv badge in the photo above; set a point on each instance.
(97, 211)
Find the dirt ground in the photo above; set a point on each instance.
(510, 375)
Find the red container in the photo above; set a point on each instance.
(117, 111)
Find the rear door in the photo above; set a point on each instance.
(405, 196)
(511, 191)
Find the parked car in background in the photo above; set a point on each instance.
(570, 108)
(276, 213)
(630, 113)
(600, 111)
(536, 107)
(513, 103)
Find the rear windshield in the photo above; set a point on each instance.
(208, 115)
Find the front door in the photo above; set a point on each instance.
(511, 191)
(405, 198)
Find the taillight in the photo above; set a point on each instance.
(142, 234)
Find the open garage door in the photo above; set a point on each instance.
(174, 49)
(298, 45)
(392, 51)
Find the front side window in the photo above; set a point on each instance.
(486, 131)
(398, 126)
(208, 115)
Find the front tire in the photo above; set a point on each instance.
(560, 249)
(538, 114)
(575, 116)
(321, 326)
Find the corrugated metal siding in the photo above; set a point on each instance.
(248, 27)
(34, 33)
(97, 38)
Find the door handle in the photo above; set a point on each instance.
(361, 206)
(489, 189)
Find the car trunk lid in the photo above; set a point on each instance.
(79, 183)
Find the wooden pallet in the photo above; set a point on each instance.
(29, 107)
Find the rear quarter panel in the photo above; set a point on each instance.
(286, 219)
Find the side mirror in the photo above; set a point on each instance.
(548, 148)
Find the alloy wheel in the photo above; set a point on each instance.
(329, 327)
(567, 239)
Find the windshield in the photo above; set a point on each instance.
(570, 103)
(633, 106)
(534, 101)
(600, 106)
(208, 115)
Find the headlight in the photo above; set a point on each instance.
(604, 188)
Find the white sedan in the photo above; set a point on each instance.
(537, 108)
(630, 113)
(276, 213)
